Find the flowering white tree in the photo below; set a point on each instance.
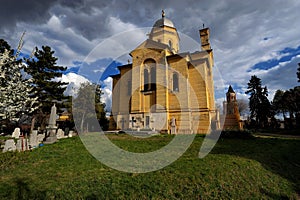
(16, 92)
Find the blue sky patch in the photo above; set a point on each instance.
(274, 62)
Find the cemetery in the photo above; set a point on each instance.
(24, 142)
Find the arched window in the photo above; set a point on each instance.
(153, 78)
(170, 44)
(175, 82)
(146, 80)
(149, 74)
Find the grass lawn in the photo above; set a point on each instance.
(260, 168)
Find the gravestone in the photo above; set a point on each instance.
(60, 134)
(33, 139)
(16, 133)
(22, 144)
(51, 128)
(9, 145)
(19, 145)
(41, 137)
(173, 125)
(70, 134)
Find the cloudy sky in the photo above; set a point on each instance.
(257, 37)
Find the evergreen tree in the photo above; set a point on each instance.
(278, 103)
(258, 102)
(44, 71)
(16, 93)
(291, 100)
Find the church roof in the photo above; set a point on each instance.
(151, 44)
(163, 22)
(230, 90)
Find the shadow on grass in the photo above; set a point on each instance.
(280, 156)
(21, 190)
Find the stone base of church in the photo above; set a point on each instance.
(197, 122)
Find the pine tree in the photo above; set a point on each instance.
(258, 102)
(278, 103)
(16, 93)
(44, 71)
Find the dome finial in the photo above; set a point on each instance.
(163, 13)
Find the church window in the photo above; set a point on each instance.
(153, 78)
(149, 75)
(175, 82)
(146, 80)
(170, 44)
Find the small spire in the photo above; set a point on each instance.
(230, 90)
(163, 13)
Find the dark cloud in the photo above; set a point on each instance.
(31, 11)
(238, 28)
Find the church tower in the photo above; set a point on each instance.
(231, 111)
(164, 32)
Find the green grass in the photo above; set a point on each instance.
(236, 169)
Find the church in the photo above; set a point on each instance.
(164, 89)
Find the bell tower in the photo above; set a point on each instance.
(204, 37)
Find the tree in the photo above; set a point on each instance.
(44, 71)
(278, 103)
(16, 92)
(242, 106)
(298, 73)
(258, 102)
(291, 100)
(88, 108)
(4, 46)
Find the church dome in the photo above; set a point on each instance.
(163, 22)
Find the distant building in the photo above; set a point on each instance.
(162, 86)
(231, 116)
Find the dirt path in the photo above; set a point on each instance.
(274, 135)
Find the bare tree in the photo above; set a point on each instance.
(243, 106)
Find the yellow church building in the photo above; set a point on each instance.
(164, 89)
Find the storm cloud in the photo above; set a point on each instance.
(243, 33)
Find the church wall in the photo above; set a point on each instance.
(178, 100)
(198, 85)
(204, 122)
(115, 96)
(124, 86)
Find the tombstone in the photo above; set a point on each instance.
(70, 134)
(33, 139)
(9, 145)
(173, 125)
(41, 137)
(60, 134)
(22, 144)
(19, 145)
(16, 133)
(51, 128)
